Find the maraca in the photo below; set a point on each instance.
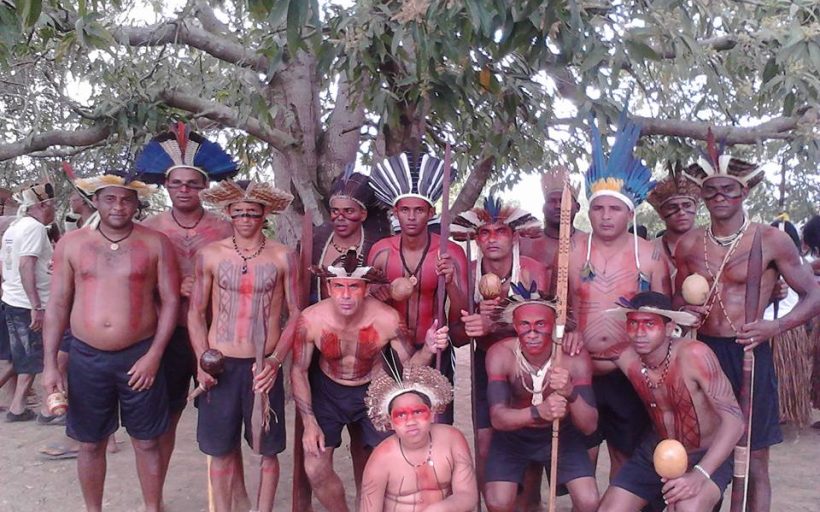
(401, 289)
(489, 286)
(670, 459)
(695, 290)
(212, 362)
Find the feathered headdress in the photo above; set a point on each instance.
(651, 302)
(229, 192)
(72, 180)
(423, 380)
(406, 175)
(675, 185)
(553, 180)
(714, 164)
(622, 176)
(31, 195)
(521, 296)
(90, 186)
(467, 224)
(181, 147)
(348, 266)
(354, 186)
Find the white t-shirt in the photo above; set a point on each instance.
(25, 237)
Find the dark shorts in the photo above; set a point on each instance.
(622, 418)
(228, 405)
(98, 394)
(5, 347)
(26, 345)
(638, 473)
(336, 406)
(179, 364)
(482, 404)
(765, 407)
(512, 452)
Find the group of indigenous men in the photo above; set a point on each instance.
(207, 294)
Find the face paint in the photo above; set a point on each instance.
(674, 207)
(247, 215)
(401, 415)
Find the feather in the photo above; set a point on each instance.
(711, 147)
(180, 146)
(399, 176)
(182, 138)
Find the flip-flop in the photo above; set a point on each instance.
(26, 415)
(57, 419)
(58, 451)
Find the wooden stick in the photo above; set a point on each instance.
(300, 489)
(564, 233)
(211, 504)
(444, 240)
(473, 388)
(740, 477)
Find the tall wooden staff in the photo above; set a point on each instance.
(444, 239)
(564, 233)
(740, 477)
(471, 310)
(300, 490)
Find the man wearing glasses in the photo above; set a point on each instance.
(26, 278)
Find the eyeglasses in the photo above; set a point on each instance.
(190, 185)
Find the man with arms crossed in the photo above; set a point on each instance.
(688, 399)
(526, 394)
(185, 163)
(424, 466)
(720, 252)
(244, 281)
(117, 286)
(351, 331)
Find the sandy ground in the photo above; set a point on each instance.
(28, 483)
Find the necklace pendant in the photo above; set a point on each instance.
(430, 462)
(537, 399)
(413, 280)
(653, 405)
(114, 246)
(244, 268)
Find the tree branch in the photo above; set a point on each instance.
(473, 186)
(777, 128)
(45, 140)
(228, 117)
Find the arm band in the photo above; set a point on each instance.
(585, 392)
(703, 471)
(498, 392)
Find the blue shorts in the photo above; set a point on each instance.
(513, 451)
(622, 417)
(227, 406)
(26, 345)
(765, 406)
(482, 403)
(336, 406)
(638, 473)
(98, 394)
(5, 347)
(179, 364)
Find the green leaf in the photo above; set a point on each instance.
(593, 58)
(29, 11)
(297, 15)
(770, 70)
(278, 12)
(788, 104)
(260, 8)
(642, 50)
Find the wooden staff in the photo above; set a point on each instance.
(444, 240)
(564, 233)
(300, 490)
(740, 477)
(473, 388)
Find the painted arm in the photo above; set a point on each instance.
(57, 315)
(457, 294)
(291, 282)
(377, 258)
(313, 440)
(659, 281)
(374, 481)
(464, 495)
(198, 314)
(582, 406)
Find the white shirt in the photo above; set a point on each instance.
(25, 237)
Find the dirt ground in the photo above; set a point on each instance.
(28, 483)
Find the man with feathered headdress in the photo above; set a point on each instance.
(718, 253)
(526, 393)
(411, 184)
(676, 200)
(243, 286)
(351, 331)
(357, 222)
(497, 229)
(608, 263)
(118, 284)
(423, 463)
(184, 162)
(543, 246)
(26, 278)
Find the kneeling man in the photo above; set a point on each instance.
(526, 393)
(688, 398)
(424, 466)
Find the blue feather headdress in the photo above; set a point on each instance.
(622, 176)
(408, 175)
(522, 295)
(466, 224)
(181, 147)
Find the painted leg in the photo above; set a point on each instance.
(149, 471)
(91, 473)
(269, 482)
(326, 484)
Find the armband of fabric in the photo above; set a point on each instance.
(585, 392)
(498, 392)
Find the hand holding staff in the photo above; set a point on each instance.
(564, 233)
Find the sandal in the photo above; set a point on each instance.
(26, 415)
(59, 451)
(57, 419)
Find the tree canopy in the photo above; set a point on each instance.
(304, 87)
